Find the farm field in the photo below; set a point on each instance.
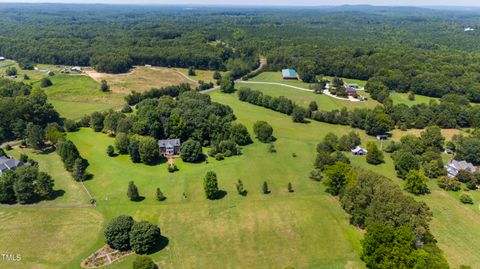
(303, 98)
(447, 133)
(139, 79)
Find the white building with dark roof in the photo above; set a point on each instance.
(359, 151)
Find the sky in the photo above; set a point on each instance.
(272, 2)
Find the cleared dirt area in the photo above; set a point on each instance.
(139, 79)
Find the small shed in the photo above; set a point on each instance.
(169, 147)
(76, 69)
(359, 151)
(2, 58)
(353, 85)
(382, 137)
(448, 151)
(289, 74)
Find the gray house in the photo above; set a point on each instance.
(169, 147)
(454, 166)
(8, 164)
(359, 151)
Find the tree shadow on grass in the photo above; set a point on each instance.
(139, 199)
(244, 193)
(162, 243)
(159, 161)
(56, 194)
(220, 194)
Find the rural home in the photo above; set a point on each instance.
(454, 166)
(8, 164)
(169, 147)
(448, 151)
(353, 85)
(289, 74)
(350, 91)
(359, 151)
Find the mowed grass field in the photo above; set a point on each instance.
(304, 229)
(304, 98)
(205, 75)
(277, 77)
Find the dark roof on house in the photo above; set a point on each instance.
(350, 89)
(8, 163)
(169, 142)
(289, 73)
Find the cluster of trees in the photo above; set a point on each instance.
(72, 161)
(329, 151)
(25, 185)
(173, 91)
(21, 106)
(397, 227)
(419, 153)
(124, 233)
(467, 147)
(191, 117)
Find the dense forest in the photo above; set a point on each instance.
(404, 49)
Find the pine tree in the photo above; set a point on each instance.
(160, 196)
(78, 171)
(265, 188)
(290, 187)
(132, 192)
(240, 188)
(210, 185)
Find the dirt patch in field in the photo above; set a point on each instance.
(139, 79)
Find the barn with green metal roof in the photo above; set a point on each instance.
(289, 74)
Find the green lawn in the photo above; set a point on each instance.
(304, 229)
(360, 83)
(402, 98)
(303, 98)
(277, 77)
(76, 95)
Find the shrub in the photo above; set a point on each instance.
(448, 184)
(219, 157)
(110, 150)
(265, 189)
(70, 125)
(127, 109)
(143, 262)
(159, 195)
(144, 236)
(172, 168)
(45, 82)
(263, 131)
(466, 198)
(8, 147)
(316, 175)
(290, 187)
(117, 232)
(271, 148)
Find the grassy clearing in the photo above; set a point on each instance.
(139, 79)
(48, 237)
(205, 75)
(277, 77)
(303, 98)
(75, 110)
(402, 98)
